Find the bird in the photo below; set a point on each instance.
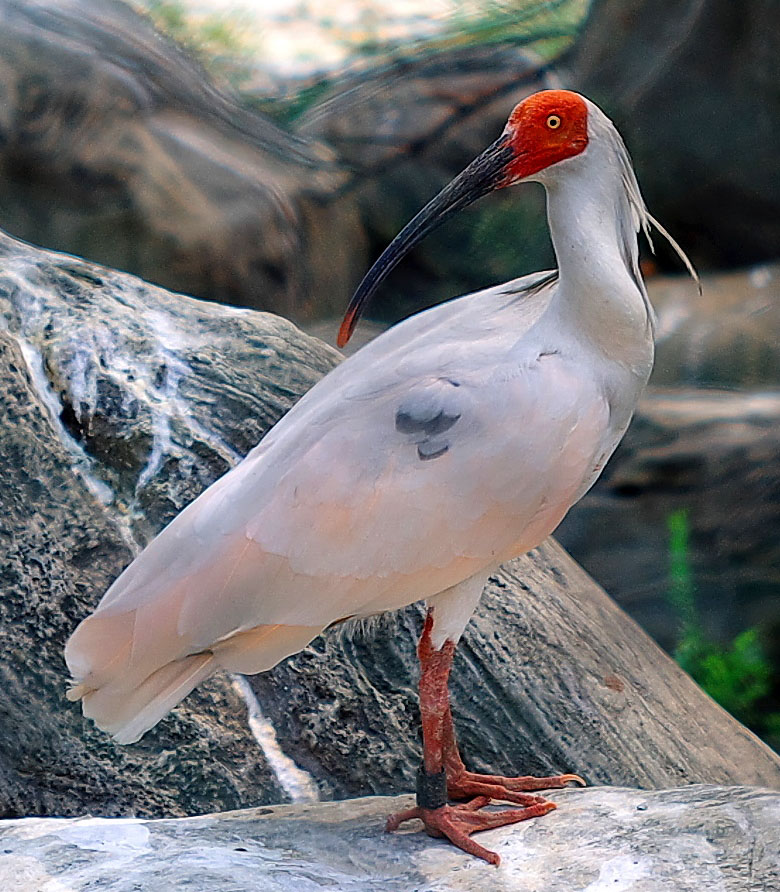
(455, 441)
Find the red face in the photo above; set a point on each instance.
(544, 129)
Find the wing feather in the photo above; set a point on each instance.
(399, 475)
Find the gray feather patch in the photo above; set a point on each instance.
(426, 424)
(423, 420)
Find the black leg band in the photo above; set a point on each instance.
(431, 788)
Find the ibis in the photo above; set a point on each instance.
(451, 443)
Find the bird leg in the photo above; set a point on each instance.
(443, 774)
(462, 784)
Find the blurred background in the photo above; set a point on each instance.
(262, 154)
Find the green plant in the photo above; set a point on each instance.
(215, 40)
(738, 675)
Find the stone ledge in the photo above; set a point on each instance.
(602, 839)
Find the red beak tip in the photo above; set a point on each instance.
(347, 327)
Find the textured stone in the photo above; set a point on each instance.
(59, 549)
(121, 403)
(695, 94)
(599, 840)
(713, 454)
(162, 393)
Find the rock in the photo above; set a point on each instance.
(58, 549)
(713, 454)
(116, 146)
(727, 336)
(160, 392)
(121, 403)
(110, 387)
(181, 184)
(693, 90)
(680, 840)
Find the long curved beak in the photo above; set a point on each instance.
(486, 173)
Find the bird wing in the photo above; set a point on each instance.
(391, 480)
(399, 475)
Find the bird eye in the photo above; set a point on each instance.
(553, 122)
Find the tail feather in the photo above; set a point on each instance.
(130, 669)
(129, 714)
(262, 647)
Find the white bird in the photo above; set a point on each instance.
(453, 442)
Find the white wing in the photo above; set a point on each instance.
(447, 445)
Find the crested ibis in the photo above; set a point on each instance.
(453, 442)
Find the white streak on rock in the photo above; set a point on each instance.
(296, 783)
(163, 397)
(82, 463)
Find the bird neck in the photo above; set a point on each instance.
(593, 223)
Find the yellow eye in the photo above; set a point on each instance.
(553, 122)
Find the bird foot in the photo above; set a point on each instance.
(465, 784)
(457, 822)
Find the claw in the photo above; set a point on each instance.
(509, 789)
(458, 822)
(573, 779)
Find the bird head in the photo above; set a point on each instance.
(543, 130)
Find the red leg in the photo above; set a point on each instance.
(440, 756)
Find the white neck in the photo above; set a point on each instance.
(592, 225)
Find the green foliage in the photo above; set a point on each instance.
(551, 25)
(738, 676)
(214, 40)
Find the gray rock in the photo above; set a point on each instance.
(182, 184)
(599, 840)
(160, 392)
(727, 336)
(116, 146)
(121, 403)
(59, 549)
(693, 89)
(713, 454)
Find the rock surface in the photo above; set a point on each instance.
(108, 387)
(694, 91)
(120, 403)
(714, 455)
(115, 145)
(727, 336)
(599, 840)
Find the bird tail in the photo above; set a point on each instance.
(128, 714)
(131, 668)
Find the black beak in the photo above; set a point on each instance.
(486, 173)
